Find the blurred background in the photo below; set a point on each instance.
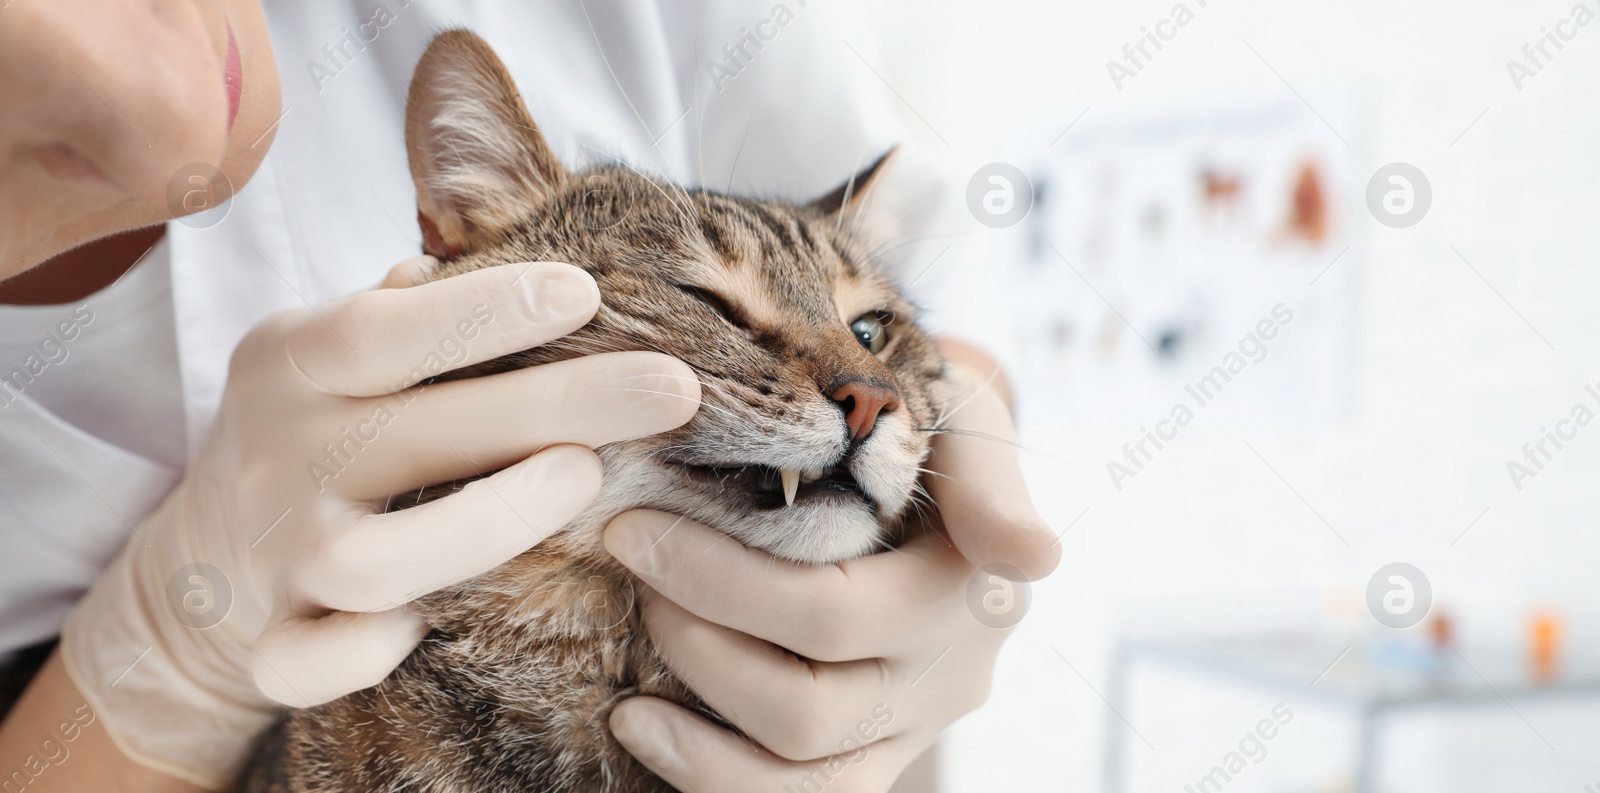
(1303, 304)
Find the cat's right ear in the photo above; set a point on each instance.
(477, 158)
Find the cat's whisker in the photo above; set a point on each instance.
(688, 199)
(849, 190)
(638, 343)
(735, 167)
(666, 450)
(724, 538)
(708, 382)
(933, 196)
(677, 190)
(717, 389)
(699, 122)
(900, 241)
(703, 405)
(862, 211)
(712, 385)
(946, 415)
(920, 508)
(664, 194)
(1032, 450)
(648, 346)
(967, 433)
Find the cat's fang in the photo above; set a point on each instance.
(791, 484)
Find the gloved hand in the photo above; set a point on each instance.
(895, 645)
(271, 573)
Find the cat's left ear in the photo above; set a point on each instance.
(477, 158)
(855, 190)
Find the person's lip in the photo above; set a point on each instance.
(232, 76)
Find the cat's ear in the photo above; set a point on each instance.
(477, 158)
(855, 190)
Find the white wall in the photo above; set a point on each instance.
(1451, 382)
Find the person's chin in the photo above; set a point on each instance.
(254, 120)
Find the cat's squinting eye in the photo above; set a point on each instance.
(717, 304)
(872, 330)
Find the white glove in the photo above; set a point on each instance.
(895, 645)
(271, 573)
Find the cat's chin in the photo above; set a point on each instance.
(828, 518)
(821, 527)
(817, 531)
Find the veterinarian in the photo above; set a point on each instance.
(206, 403)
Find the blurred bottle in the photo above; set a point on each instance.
(1441, 630)
(1544, 644)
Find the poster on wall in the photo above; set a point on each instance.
(1189, 255)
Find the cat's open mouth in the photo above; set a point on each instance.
(773, 488)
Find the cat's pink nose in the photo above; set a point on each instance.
(861, 402)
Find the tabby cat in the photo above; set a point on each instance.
(815, 382)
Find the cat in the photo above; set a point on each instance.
(817, 394)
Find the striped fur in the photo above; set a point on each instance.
(512, 689)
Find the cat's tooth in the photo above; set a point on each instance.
(791, 484)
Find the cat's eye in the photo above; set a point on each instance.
(717, 304)
(872, 330)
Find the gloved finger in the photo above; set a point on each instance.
(796, 708)
(470, 427)
(979, 488)
(409, 272)
(374, 343)
(388, 559)
(696, 756)
(306, 661)
(861, 608)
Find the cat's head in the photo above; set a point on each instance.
(814, 377)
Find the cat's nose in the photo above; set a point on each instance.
(861, 402)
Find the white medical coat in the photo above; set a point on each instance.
(795, 108)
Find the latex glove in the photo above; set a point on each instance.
(271, 575)
(892, 647)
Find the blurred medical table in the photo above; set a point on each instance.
(1372, 679)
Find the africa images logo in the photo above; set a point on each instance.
(1399, 595)
(999, 195)
(1137, 56)
(1536, 454)
(338, 54)
(1536, 56)
(51, 351)
(736, 54)
(1252, 750)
